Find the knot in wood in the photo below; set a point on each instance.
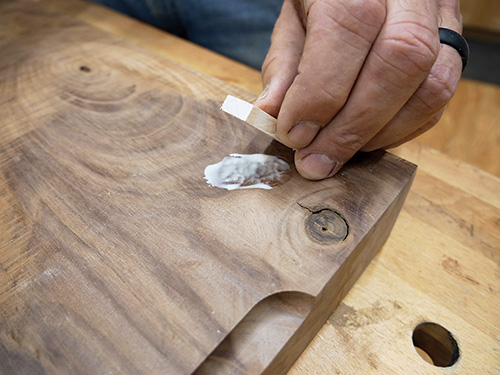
(326, 226)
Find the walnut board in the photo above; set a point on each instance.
(117, 257)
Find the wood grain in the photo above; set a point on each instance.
(370, 332)
(117, 257)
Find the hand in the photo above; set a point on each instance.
(349, 75)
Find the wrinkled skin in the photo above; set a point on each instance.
(349, 75)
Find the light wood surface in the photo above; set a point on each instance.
(441, 262)
(118, 257)
(469, 129)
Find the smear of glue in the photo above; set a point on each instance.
(254, 171)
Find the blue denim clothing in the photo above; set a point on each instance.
(239, 29)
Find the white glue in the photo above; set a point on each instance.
(255, 171)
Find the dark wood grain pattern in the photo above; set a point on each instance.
(116, 256)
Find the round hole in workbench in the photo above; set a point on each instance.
(435, 344)
(85, 69)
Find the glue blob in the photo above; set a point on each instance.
(254, 171)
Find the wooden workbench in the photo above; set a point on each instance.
(441, 263)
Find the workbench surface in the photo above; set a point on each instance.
(441, 263)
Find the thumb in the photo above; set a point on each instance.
(280, 66)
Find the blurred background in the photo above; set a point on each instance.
(481, 19)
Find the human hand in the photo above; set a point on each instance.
(349, 75)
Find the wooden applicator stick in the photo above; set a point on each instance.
(250, 114)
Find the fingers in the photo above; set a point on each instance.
(433, 121)
(429, 99)
(399, 61)
(351, 83)
(339, 37)
(280, 66)
(427, 103)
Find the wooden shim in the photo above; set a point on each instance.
(251, 114)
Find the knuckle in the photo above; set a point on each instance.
(361, 17)
(440, 88)
(371, 12)
(437, 90)
(324, 99)
(413, 47)
(365, 11)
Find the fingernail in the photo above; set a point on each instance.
(303, 133)
(318, 166)
(264, 93)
